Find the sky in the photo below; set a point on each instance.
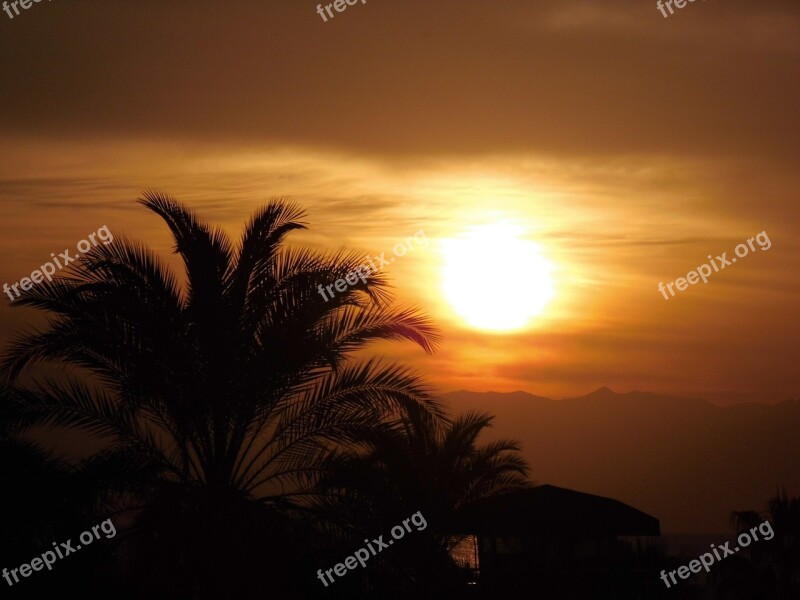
(627, 147)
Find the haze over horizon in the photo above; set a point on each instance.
(685, 461)
(724, 400)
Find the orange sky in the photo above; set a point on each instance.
(629, 147)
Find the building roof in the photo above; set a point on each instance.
(547, 510)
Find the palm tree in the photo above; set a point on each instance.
(219, 400)
(46, 499)
(420, 462)
(34, 484)
(779, 557)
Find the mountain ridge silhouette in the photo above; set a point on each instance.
(686, 461)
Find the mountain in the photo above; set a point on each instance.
(685, 461)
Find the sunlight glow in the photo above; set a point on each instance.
(495, 280)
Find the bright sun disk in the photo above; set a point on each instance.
(494, 280)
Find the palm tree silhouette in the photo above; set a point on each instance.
(419, 462)
(34, 483)
(46, 499)
(219, 400)
(778, 558)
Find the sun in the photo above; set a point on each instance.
(495, 280)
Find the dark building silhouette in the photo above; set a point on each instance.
(559, 543)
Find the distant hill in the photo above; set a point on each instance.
(687, 462)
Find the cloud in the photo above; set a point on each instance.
(413, 78)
